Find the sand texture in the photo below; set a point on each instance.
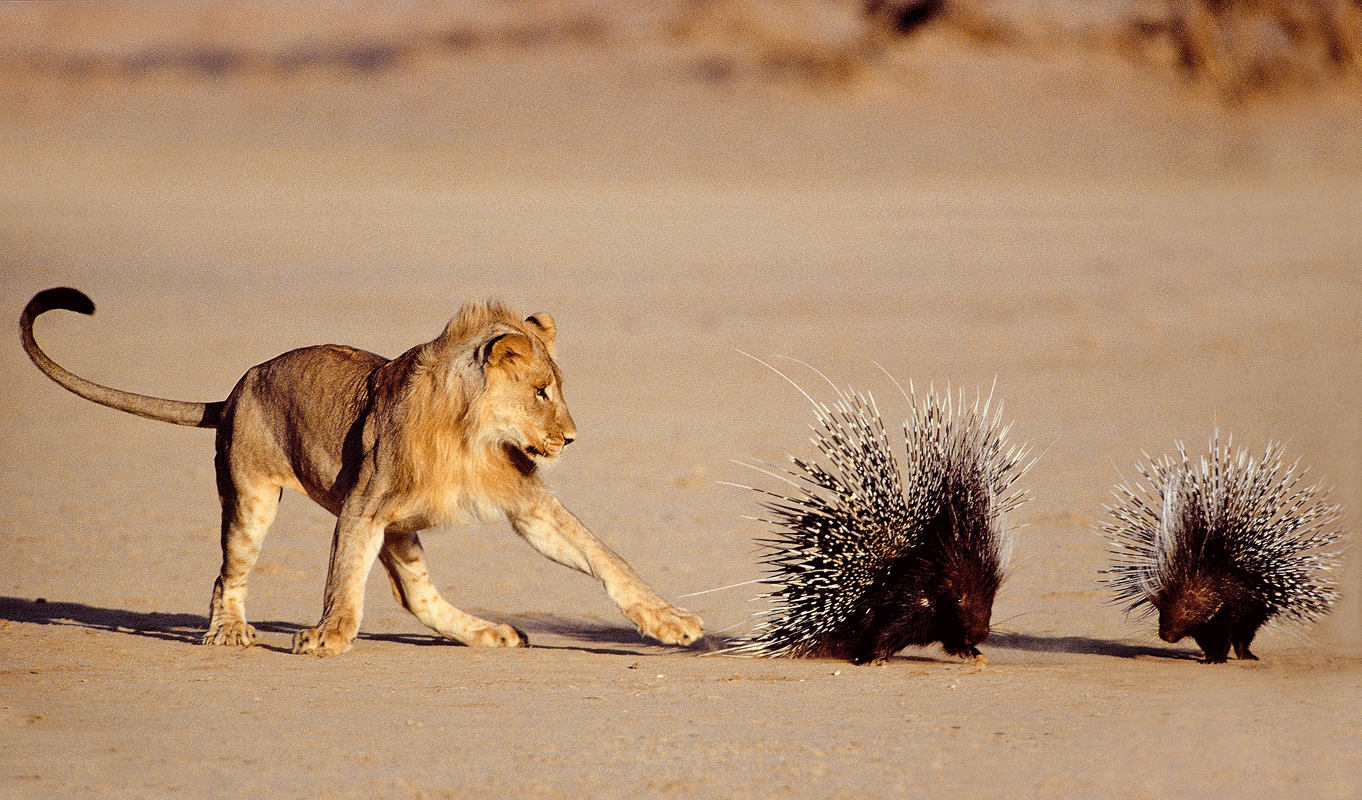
(1126, 257)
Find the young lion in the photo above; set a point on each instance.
(452, 430)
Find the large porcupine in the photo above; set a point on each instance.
(867, 560)
(1221, 545)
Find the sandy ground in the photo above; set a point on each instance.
(1132, 263)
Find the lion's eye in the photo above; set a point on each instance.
(542, 393)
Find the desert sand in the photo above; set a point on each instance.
(1124, 259)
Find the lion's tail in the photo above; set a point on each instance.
(198, 415)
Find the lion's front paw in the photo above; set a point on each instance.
(235, 633)
(498, 636)
(327, 639)
(666, 623)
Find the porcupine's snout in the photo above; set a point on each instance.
(1169, 633)
(964, 623)
(1176, 619)
(976, 634)
(1170, 630)
(976, 618)
(1185, 606)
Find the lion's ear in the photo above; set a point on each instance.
(507, 349)
(543, 327)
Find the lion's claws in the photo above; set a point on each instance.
(667, 623)
(323, 640)
(230, 634)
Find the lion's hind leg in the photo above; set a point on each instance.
(404, 559)
(247, 512)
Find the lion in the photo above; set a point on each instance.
(453, 430)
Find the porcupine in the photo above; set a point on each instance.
(1220, 546)
(867, 560)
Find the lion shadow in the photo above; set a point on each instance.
(595, 637)
(592, 636)
(152, 624)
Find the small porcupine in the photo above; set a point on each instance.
(1221, 545)
(867, 560)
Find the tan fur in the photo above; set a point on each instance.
(453, 430)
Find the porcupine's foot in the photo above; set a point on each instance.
(1214, 645)
(1242, 633)
(967, 653)
(666, 623)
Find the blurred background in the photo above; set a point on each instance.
(638, 87)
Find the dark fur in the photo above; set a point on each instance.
(1205, 596)
(940, 590)
(1219, 610)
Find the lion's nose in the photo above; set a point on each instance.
(568, 437)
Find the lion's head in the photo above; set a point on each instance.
(492, 383)
(522, 401)
(478, 409)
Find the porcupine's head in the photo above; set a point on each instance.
(1220, 544)
(1190, 579)
(1185, 603)
(971, 567)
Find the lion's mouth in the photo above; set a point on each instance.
(546, 452)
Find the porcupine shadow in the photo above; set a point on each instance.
(1023, 642)
(1084, 645)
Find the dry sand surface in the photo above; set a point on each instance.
(1129, 260)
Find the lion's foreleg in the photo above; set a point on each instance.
(353, 549)
(404, 559)
(558, 534)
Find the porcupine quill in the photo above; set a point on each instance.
(866, 559)
(1222, 545)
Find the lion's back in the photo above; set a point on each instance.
(296, 413)
(325, 376)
